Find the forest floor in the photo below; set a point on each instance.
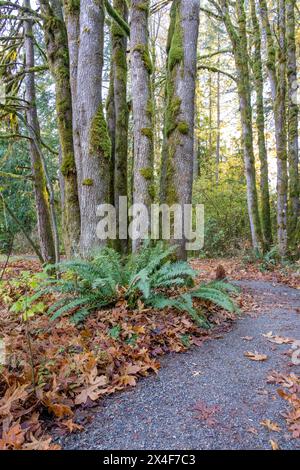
(213, 397)
(236, 386)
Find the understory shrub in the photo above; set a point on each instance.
(150, 276)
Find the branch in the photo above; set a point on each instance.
(117, 18)
(28, 238)
(216, 70)
(23, 9)
(210, 13)
(212, 54)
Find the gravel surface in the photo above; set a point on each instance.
(160, 412)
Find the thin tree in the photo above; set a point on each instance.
(178, 151)
(45, 229)
(142, 110)
(276, 66)
(238, 37)
(58, 58)
(293, 113)
(260, 124)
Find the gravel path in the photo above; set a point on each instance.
(160, 412)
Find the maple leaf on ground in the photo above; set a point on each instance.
(13, 438)
(60, 410)
(92, 391)
(295, 430)
(277, 339)
(274, 445)
(206, 413)
(71, 426)
(267, 423)
(255, 356)
(247, 338)
(40, 444)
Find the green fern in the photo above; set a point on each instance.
(85, 286)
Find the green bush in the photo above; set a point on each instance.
(147, 276)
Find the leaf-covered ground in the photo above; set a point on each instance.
(56, 373)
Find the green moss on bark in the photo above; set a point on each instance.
(100, 143)
(88, 182)
(144, 51)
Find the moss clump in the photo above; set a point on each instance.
(100, 143)
(88, 182)
(72, 6)
(68, 164)
(147, 132)
(144, 51)
(183, 127)
(175, 40)
(150, 108)
(147, 173)
(143, 6)
(172, 112)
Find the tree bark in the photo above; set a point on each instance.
(45, 231)
(260, 123)
(293, 149)
(58, 59)
(94, 139)
(240, 50)
(121, 112)
(141, 70)
(277, 78)
(178, 155)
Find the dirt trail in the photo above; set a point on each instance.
(211, 397)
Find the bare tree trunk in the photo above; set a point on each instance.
(277, 79)
(293, 149)
(180, 111)
(141, 70)
(94, 139)
(58, 57)
(260, 123)
(240, 49)
(45, 231)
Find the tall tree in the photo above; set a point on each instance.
(178, 154)
(58, 59)
(45, 229)
(293, 113)
(238, 37)
(260, 123)
(118, 99)
(276, 66)
(141, 70)
(92, 143)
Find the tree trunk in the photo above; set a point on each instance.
(240, 49)
(141, 70)
(119, 73)
(58, 58)
(45, 231)
(278, 89)
(94, 139)
(293, 150)
(260, 123)
(180, 112)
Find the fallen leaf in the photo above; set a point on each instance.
(255, 356)
(274, 445)
(267, 423)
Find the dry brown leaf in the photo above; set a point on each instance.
(267, 423)
(255, 356)
(274, 445)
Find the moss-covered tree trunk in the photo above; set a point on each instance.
(178, 152)
(119, 76)
(46, 238)
(239, 42)
(293, 148)
(276, 66)
(95, 143)
(141, 70)
(71, 15)
(58, 58)
(260, 123)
